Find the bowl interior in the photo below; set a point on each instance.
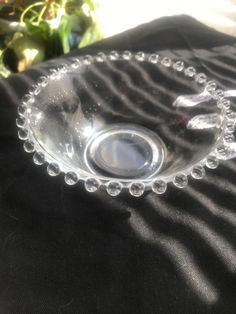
(125, 119)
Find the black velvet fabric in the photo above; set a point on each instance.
(67, 251)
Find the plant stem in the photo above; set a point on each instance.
(28, 9)
(33, 18)
(42, 13)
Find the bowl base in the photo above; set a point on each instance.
(125, 151)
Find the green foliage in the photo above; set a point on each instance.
(45, 36)
(64, 30)
(40, 31)
(91, 35)
(48, 27)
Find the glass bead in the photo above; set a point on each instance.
(92, 184)
(23, 134)
(39, 158)
(166, 62)
(211, 86)
(198, 172)
(137, 189)
(76, 63)
(114, 188)
(181, 181)
(53, 169)
(229, 138)
(22, 109)
(226, 103)
(218, 94)
(159, 186)
(71, 178)
(230, 127)
(178, 66)
(231, 115)
(140, 56)
(20, 122)
(43, 81)
(64, 68)
(87, 59)
(212, 162)
(153, 58)
(200, 78)
(222, 151)
(127, 55)
(190, 71)
(29, 146)
(55, 74)
(113, 55)
(28, 99)
(100, 57)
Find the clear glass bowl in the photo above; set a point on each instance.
(125, 120)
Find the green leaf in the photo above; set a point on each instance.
(64, 31)
(39, 31)
(91, 35)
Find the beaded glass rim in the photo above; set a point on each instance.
(135, 187)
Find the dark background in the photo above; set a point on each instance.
(67, 251)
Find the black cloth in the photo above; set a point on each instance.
(67, 251)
